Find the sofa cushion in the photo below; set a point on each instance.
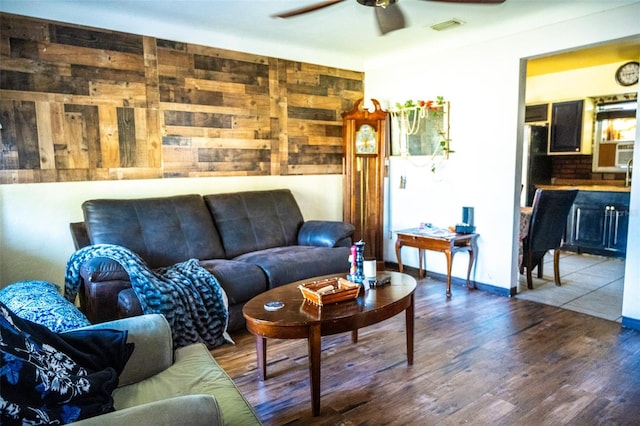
(42, 303)
(284, 265)
(241, 281)
(163, 231)
(255, 220)
(194, 371)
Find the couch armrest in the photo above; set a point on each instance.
(102, 281)
(182, 410)
(103, 269)
(325, 233)
(153, 351)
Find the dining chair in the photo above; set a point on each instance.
(546, 230)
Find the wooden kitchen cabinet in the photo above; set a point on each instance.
(571, 129)
(598, 223)
(566, 126)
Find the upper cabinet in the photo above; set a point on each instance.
(571, 125)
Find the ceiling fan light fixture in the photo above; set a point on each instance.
(447, 25)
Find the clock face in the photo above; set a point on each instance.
(366, 140)
(627, 74)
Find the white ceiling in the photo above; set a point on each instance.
(346, 29)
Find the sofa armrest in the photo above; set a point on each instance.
(325, 233)
(182, 410)
(102, 280)
(153, 351)
(103, 269)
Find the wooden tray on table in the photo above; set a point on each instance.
(330, 290)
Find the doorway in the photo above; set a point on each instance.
(591, 284)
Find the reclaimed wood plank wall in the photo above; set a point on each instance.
(83, 104)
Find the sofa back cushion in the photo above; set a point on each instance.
(163, 231)
(255, 220)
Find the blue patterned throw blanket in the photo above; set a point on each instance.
(190, 297)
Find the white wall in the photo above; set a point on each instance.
(486, 87)
(35, 241)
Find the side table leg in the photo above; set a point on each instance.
(473, 253)
(261, 353)
(449, 262)
(469, 285)
(398, 247)
(314, 367)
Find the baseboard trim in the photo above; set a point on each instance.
(631, 323)
(456, 281)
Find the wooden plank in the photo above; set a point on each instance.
(111, 75)
(129, 94)
(22, 27)
(127, 137)
(208, 132)
(91, 135)
(198, 119)
(311, 101)
(9, 160)
(213, 85)
(227, 54)
(45, 135)
(322, 114)
(59, 53)
(79, 37)
(69, 153)
(26, 135)
(151, 78)
(109, 137)
(314, 169)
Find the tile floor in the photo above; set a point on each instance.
(591, 284)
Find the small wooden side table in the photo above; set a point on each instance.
(448, 244)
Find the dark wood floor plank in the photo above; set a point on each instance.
(479, 359)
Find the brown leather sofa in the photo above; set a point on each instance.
(250, 241)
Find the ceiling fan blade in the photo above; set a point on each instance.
(470, 1)
(306, 9)
(390, 18)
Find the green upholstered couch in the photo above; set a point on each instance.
(160, 386)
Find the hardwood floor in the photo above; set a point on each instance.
(479, 359)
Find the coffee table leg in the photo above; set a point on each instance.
(261, 352)
(409, 312)
(314, 367)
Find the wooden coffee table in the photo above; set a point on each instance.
(299, 319)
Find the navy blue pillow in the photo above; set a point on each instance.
(51, 378)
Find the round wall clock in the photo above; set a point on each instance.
(627, 74)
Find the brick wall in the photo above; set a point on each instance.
(579, 167)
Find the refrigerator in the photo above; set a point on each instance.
(538, 166)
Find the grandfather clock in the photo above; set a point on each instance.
(365, 148)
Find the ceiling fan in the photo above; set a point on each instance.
(388, 13)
